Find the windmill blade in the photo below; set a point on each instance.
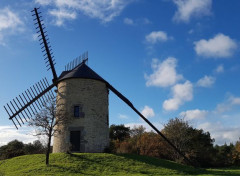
(44, 41)
(23, 107)
(149, 123)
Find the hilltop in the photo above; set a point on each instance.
(101, 164)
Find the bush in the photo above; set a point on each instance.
(12, 149)
(196, 144)
(17, 148)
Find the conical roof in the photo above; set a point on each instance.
(81, 71)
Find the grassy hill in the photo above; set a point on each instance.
(101, 164)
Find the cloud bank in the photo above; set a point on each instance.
(63, 10)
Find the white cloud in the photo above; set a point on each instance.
(188, 9)
(220, 46)
(206, 81)
(2, 40)
(228, 104)
(220, 133)
(164, 73)
(122, 116)
(9, 133)
(9, 23)
(194, 114)
(223, 107)
(128, 21)
(219, 69)
(157, 36)
(139, 21)
(183, 91)
(172, 104)
(44, 2)
(62, 15)
(146, 21)
(8, 19)
(234, 100)
(105, 10)
(35, 37)
(148, 112)
(181, 94)
(191, 31)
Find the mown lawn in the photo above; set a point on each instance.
(101, 164)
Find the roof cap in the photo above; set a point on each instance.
(81, 71)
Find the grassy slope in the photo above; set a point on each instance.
(101, 164)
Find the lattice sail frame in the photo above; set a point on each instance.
(29, 102)
(45, 44)
(77, 61)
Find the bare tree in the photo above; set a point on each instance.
(45, 122)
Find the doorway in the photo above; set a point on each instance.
(75, 141)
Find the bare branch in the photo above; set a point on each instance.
(45, 121)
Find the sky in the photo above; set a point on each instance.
(170, 58)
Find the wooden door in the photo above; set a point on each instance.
(75, 140)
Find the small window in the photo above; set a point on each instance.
(78, 111)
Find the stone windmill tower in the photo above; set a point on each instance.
(83, 97)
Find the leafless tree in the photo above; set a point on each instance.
(45, 123)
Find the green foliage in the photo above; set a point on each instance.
(12, 149)
(196, 144)
(34, 148)
(17, 148)
(119, 132)
(101, 164)
(225, 155)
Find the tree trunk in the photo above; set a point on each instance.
(48, 149)
(49, 140)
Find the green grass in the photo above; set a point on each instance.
(101, 164)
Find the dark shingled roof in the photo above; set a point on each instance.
(81, 71)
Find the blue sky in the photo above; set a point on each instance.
(171, 58)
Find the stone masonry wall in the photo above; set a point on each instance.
(92, 95)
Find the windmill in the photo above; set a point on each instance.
(81, 93)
